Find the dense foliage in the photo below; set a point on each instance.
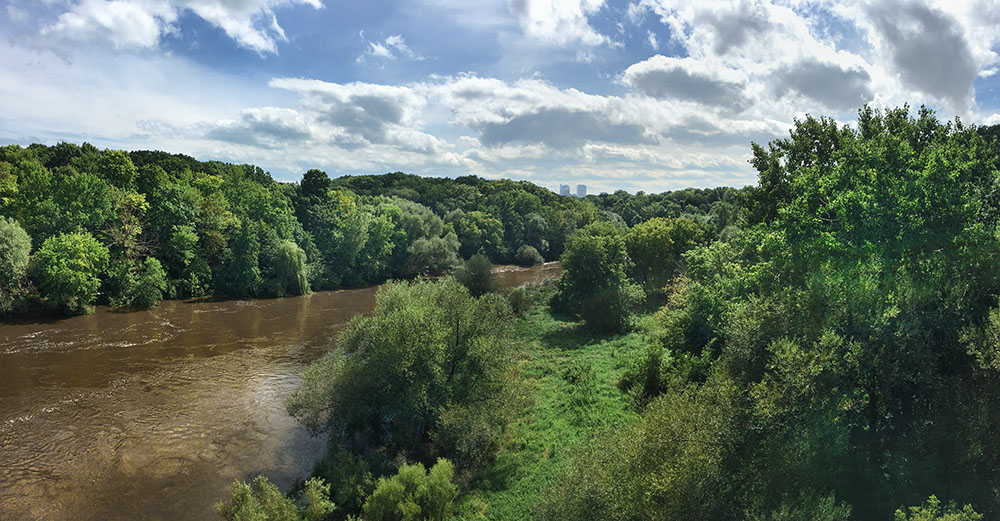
(15, 247)
(232, 230)
(262, 501)
(596, 286)
(833, 360)
(428, 374)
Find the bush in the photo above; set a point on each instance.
(477, 275)
(520, 301)
(528, 256)
(414, 494)
(262, 501)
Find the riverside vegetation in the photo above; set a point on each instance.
(80, 226)
(822, 346)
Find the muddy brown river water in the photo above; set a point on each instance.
(152, 415)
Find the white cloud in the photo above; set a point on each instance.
(391, 48)
(687, 79)
(140, 24)
(559, 22)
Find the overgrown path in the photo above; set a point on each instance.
(569, 387)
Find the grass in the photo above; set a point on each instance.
(570, 380)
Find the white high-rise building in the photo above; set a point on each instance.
(563, 189)
(581, 191)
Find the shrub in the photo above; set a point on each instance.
(520, 301)
(262, 501)
(476, 274)
(528, 256)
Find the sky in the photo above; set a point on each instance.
(632, 95)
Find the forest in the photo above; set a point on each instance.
(128, 229)
(824, 345)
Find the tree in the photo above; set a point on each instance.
(414, 494)
(290, 270)
(432, 256)
(476, 274)
(933, 511)
(655, 248)
(480, 232)
(68, 270)
(151, 282)
(262, 501)
(395, 378)
(15, 247)
(596, 286)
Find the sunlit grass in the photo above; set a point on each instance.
(570, 378)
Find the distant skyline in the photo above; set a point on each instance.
(638, 95)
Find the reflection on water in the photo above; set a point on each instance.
(152, 415)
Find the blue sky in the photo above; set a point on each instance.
(633, 94)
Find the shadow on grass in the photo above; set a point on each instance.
(572, 336)
(500, 475)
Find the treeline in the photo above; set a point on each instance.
(79, 225)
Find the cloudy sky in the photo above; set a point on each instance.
(628, 94)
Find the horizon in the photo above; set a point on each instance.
(632, 95)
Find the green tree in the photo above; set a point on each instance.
(290, 270)
(262, 501)
(933, 511)
(428, 348)
(479, 232)
(151, 283)
(414, 494)
(596, 286)
(476, 274)
(657, 245)
(15, 248)
(68, 269)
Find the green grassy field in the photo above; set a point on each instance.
(569, 385)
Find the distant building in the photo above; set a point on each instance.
(581, 191)
(563, 189)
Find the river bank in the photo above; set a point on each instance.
(153, 414)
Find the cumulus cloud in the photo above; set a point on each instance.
(361, 114)
(560, 22)
(928, 49)
(686, 79)
(830, 85)
(140, 24)
(560, 128)
(266, 127)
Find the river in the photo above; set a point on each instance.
(153, 414)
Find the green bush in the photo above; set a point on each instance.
(520, 300)
(262, 501)
(414, 494)
(528, 256)
(476, 274)
(595, 286)
(427, 349)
